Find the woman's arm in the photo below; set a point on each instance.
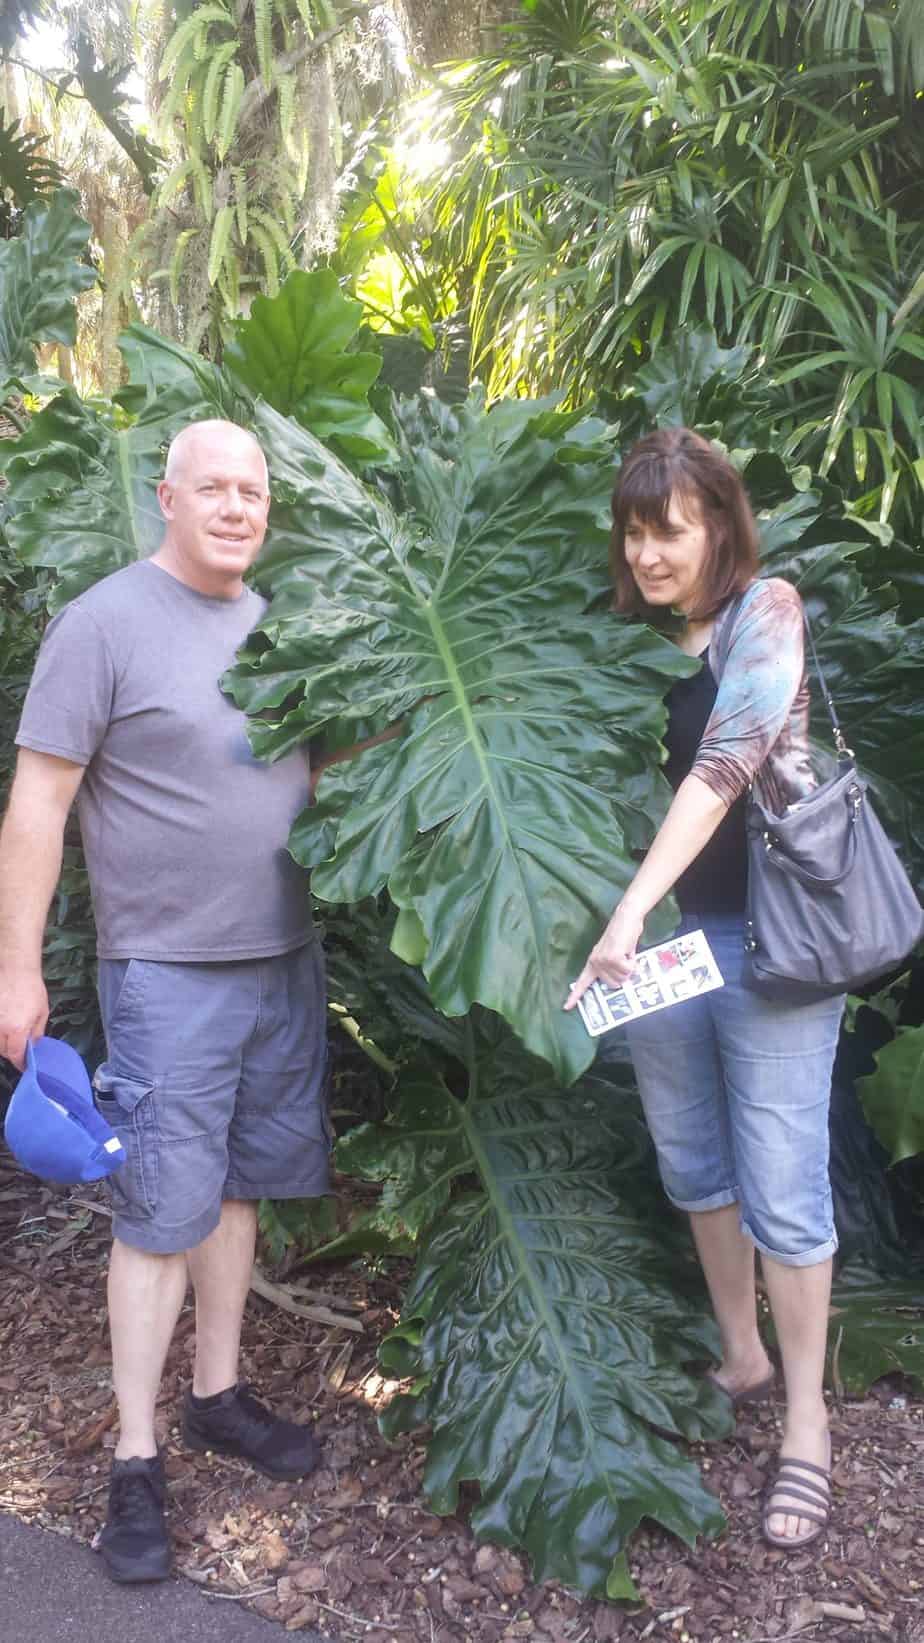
(693, 817)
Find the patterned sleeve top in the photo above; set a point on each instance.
(758, 728)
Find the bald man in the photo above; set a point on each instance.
(211, 981)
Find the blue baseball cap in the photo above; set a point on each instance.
(52, 1127)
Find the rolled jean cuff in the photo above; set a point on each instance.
(804, 1257)
(699, 1206)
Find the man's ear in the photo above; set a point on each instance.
(165, 498)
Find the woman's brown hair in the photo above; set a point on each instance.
(677, 462)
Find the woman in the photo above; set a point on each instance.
(735, 1087)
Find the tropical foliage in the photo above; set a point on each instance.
(709, 214)
(234, 82)
(82, 479)
(41, 272)
(893, 1096)
(438, 575)
(563, 1413)
(614, 170)
(26, 171)
(253, 104)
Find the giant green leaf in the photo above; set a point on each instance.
(877, 1328)
(527, 771)
(682, 381)
(81, 495)
(294, 350)
(170, 386)
(548, 1325)
(893, 1096)
(42, 272)
(82, 482)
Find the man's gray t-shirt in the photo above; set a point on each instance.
(184, 831)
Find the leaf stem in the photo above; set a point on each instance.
(57, 85)
(369, 1048)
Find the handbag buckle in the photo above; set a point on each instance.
(855, 795)
(750, 945)
(843, 751)
(769, 840)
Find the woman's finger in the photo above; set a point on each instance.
(579, 987)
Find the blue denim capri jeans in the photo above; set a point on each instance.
(736, 1090)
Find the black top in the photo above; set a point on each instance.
(717, 881)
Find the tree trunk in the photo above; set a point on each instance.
(113, 246)
(9, 94)
(443, 30)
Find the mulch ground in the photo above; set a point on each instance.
(353, 1550)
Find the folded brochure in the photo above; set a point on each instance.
(664, 975)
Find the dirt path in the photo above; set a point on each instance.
(354, 1552)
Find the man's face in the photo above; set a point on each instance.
(216, 506)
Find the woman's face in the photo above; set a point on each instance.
(667, 564)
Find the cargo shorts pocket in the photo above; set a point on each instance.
(127, 1104)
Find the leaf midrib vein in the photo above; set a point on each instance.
(515, 1244)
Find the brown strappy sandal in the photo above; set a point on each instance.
(804, 1498)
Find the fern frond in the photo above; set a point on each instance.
(263, 37)
(231, 99)
(194, 133)
(229, 282)
(175, 101)
(267, 251)
(188, 32)
(276, 234)
(220, 59)
(173, 182)
(221, 236)
(202, 183)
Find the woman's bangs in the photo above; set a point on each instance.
(645, 494)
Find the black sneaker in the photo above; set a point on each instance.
(134, 1543)
(238, 1424)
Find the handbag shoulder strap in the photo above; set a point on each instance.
(843, 751)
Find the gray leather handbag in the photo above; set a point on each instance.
(830, 905)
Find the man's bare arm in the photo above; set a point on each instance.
(31, 846)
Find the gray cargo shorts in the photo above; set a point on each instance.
(216, 1084)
